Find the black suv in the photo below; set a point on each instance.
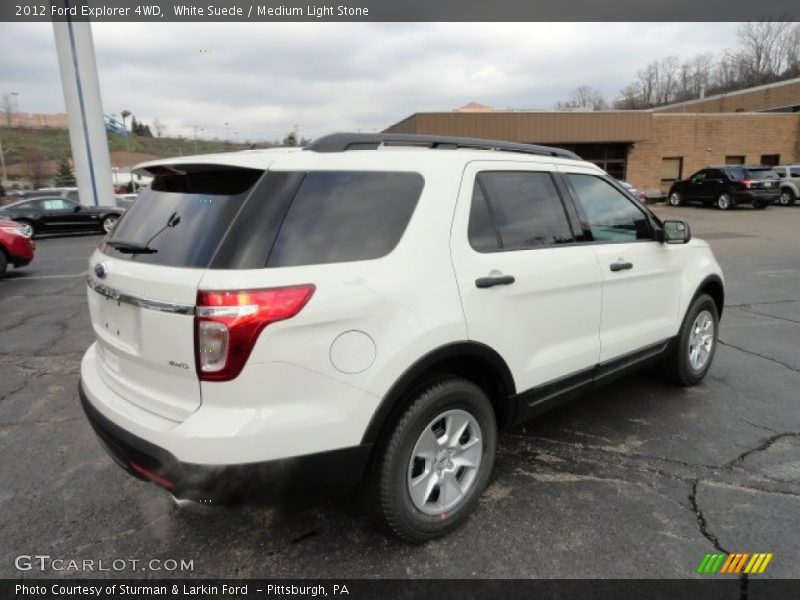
(727, 186)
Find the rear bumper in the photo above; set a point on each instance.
(339, 470)
(751, 196)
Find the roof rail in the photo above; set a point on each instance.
(340, 142)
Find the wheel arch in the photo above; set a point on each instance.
(473, 361)
(713, 286)
(792, 188)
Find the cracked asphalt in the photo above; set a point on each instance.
(639, 479)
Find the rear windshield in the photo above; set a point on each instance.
(182, 217)
(762, 174)
(740, 173)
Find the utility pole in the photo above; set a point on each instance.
(195, 128)
(3, 164)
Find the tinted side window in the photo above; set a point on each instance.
(55, 204)
(700, 175)
(482, 234)
(611, 216)
(516, 210)
(736, 173)
(794, 172)
(346, 216)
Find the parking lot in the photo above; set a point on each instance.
(639, 479)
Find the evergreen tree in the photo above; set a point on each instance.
(65, 177)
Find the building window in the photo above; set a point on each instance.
(736, 159)
(671, 168)
(771, 160)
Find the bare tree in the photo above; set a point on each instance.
(762, 50)
(584, 96)
(7, 106)
(35, 168)
(160, 127)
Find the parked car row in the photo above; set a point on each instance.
(59, 215)
(728, 186)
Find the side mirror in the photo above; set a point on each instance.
(677, 232)
(77, 208)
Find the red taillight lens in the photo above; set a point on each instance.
(746, 183)
(227, 325)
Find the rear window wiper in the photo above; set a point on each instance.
(130, 247)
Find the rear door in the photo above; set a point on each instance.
(142, 303)
(528, 290)
(641, 276)
(716, 183)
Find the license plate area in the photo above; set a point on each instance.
(120, 323)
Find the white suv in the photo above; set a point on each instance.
(376, 307)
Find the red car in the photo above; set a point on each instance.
(15, 247)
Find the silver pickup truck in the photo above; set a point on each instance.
(790, 184)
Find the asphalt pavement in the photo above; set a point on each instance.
(639, 479)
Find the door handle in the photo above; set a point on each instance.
(621, 265)
(487, 282)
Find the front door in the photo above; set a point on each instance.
(641, 276)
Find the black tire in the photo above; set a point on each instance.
(3, 263)
(787, 198)
(674, 199)
(725, 201)
(676, 365)
(388, 489)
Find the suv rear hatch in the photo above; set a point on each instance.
(757, 179)
(144, 279)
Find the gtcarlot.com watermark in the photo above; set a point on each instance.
(47, 563)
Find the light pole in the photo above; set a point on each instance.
(3, 164)
(15, 95)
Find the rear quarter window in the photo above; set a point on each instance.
(346, 216)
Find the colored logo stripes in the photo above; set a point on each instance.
(740, 562)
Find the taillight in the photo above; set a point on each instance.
(228, 323)
(746, 183)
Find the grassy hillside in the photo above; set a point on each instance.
(25, 145)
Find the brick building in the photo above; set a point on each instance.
(649, 148)
(33, 120)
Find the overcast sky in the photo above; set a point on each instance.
(263, 79)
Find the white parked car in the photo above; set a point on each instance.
(790, 184)
(377, 306)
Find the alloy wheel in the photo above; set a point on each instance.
(675, 199)
(27, 229)
(108, 223)
(445, 462)
(724, 202)
(701, 340)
